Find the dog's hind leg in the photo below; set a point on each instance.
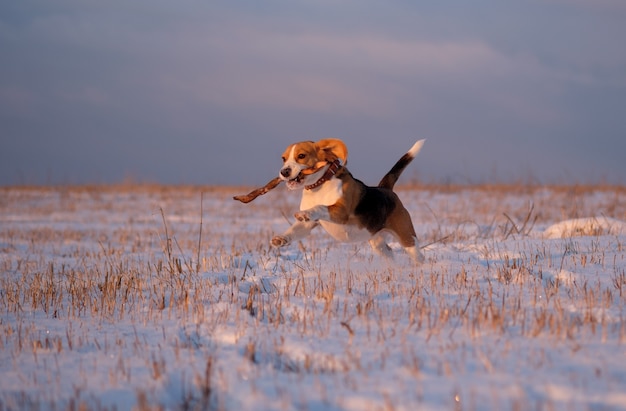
(381, 247)
(411, 246)
(401, 226)
(415, 253)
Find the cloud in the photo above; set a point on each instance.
(485, 77)
(250, 62)
(598, 5)
(357, 74)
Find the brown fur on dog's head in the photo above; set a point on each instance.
(301, 160)
(333, 149)
(309, 154)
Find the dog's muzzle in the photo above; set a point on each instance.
(293, 177)
(285, 172)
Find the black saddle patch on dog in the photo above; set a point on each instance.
(374, 208)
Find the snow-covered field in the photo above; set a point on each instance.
(170, 297)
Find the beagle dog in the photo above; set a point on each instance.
(345, 207)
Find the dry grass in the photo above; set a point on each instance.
(491, 300)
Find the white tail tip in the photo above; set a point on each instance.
(416, 148)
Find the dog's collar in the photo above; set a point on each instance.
(330, 172)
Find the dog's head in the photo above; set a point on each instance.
(301, 161)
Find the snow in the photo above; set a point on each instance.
(170, 297)
(586, 227)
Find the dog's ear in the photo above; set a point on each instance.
(332, 149)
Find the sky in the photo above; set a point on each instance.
(212, 92)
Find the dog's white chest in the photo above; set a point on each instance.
(327, 194)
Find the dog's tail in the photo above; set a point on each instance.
(389, 180)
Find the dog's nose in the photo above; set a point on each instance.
(285, 172)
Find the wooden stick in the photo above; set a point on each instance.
(246, 198)
(259, 191)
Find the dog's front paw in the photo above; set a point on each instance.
(280, 241)
(302, 216)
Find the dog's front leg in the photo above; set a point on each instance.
(316, 213)
(297, 231)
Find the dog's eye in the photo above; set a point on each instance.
(284, 159)
(301, 156)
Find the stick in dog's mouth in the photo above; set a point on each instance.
(246, 198)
